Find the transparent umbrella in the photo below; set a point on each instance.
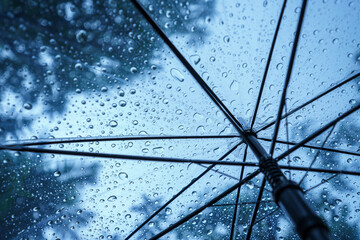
(179, 119)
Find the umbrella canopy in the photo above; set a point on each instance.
(146, 119)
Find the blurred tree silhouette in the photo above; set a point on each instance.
(34, 198)
(51, 48)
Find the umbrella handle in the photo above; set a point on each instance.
(288, 195)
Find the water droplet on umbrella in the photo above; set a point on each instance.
(133, 70)
(226, 39)
(177, 74)
(195, 59)
(81, 36)
(127, 216)
(123, 175)
(338, 201)
(200, 129)
(35, 209)
(158, 149)
(121, 93)
(168, 211)
(78, 66)
(112, 198)
(27, 106)
(352, 101)
(122, 103)
(234, 86)
(113, 123)
(57, 174)
(250, 185)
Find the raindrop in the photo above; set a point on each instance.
(234, 86)
(168, 211)
(195, 59)
(200, 129)
(113, 123)
(133, 70)
(336, 218)
(127, 216)
(198, 117)
(177, 74)
(112, 198)
(57, 174)
(279, 66)
(352, 101)
(27, 106)
(226, 39)
(121, 93)
(158, 149)
(250, 185)
(338, 201)
(122, 103)
(123, 175)
(78, 66)
(35, 209)
(81, 36)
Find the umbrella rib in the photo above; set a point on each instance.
(267, 215)
(319, 184)
(314, 147)
(256, 209)
(234, 219)
(208, 204)
(320, 170)
(287, 138)
(124, 157)
(192, 71)
(220, 172)
(180, 192)
(316, 155)
(287, 78)
(318, 132)
(104, 139)
(239, 204)
(311, 100)
(232, 177)
(163, 159)
(267, 65)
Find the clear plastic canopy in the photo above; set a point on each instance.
(107, 133)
